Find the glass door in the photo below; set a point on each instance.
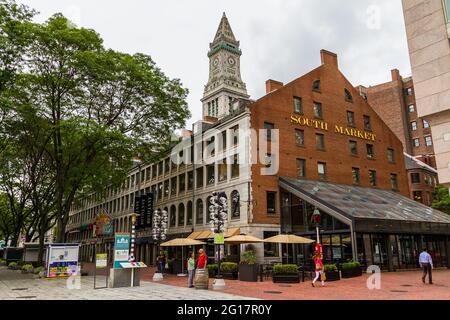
(379, 251)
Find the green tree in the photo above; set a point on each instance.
(95, 109)
(441, 199)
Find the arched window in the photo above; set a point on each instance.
(189, 214)
(199, 212)
(348, 96)
(173, 216)
(208, 205)
(316, 85)
(235, 207)
(181, 215)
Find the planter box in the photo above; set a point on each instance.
(230, 275)
(248, 272)
(351, 273)
(332, 276)
(286, 278)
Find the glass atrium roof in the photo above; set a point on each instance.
(367, 203)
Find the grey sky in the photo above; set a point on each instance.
(280, 39)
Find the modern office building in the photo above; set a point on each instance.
(428, 33)
(313, 143)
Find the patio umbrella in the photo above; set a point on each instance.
(243, 239)
(288, 239)
(181, 242)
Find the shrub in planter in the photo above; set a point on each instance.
(331, 272)
(27, 268)
(12, 265)
(248, 268)
(351, 269)
(212, 269)
(2, 262)
(285, 273)
(229, 270)
(38, 270)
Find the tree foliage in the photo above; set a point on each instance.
(75, 113)
(442, 199)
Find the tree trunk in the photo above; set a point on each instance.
(42, 231)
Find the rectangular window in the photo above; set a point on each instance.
(190, 185)
(301, 168)
(391, 155)
(322, 170)
(428, 141)
(268, 160)
(222, 170)
(415, 177)
(224, 140)
(271, 202)
(235, 167)
(416, 142)
(166, 166)
(372, 178)
(409, 91)
(299, 137)
(166, 188)
(411, 108)
(353, 147)
(320, 141)
(351, 118)
(173, 186)
(270, 249)
(298, 108)
(269, 127)
(414, 126)
(181, 183)
(235, 135)
(367, 123)
(356, 176)
(318, 113)
(426, 125)
(417, 196)
(199, 178)
(210, 175)
(370, 151)
(394, 182)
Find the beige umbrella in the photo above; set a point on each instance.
(288, 239)
(181, 242)
(242, 239)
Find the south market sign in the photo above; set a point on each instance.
(322, 125)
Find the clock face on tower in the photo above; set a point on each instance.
(216, 62)
(231, 61)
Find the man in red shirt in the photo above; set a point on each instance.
(202, 259)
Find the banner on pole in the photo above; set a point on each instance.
(121, 249)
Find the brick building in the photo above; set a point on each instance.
(422, 178)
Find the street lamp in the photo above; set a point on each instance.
(218, 213)
(159, 232)
(316, 219)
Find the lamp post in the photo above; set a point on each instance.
(159, 231)
(316, 218)
(218, 214)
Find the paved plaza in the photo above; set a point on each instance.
(394, 286)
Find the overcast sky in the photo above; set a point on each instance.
(280, 39)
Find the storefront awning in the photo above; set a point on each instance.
(369, 209)
(203, 235)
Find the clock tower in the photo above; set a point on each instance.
(225, 82)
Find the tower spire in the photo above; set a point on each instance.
(224, 32)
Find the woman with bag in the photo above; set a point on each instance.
(319, 269)
(190, 263)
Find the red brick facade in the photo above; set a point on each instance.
(277, 107)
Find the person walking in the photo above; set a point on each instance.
(191, 269)
(161, 260)
(426, 262)
(318, 263)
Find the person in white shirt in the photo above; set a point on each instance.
(426, 263)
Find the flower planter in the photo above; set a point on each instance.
(248, 272)
(230, 275)
(332, 276)
(286, 278)
(351, 273)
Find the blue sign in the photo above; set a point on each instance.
(121, 249)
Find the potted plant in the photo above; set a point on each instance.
(12, 265)
(2, 262)
(331, 272)
(351, 269)
(248, 268)
(212, 269)
(229, 270)
(285, 273)
(27, 268)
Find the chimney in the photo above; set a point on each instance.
(328, 57)
(272, 85)
(395, 74)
